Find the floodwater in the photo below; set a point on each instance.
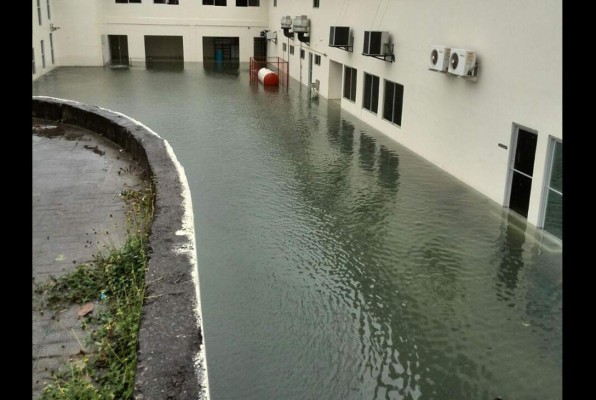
(333, 262)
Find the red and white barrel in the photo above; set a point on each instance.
(268, 77)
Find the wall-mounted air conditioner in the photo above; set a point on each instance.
(375, 43)
(439, 58)
(462, 62)
(339, 36)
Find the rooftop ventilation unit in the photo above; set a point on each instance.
(286, 25)
(301, 27)
(286, 22)
(339, 36)
(301, 24)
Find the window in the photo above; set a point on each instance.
(39, 11)
(48, 6)
(284, 47)
(128, 1)
(291, 49)
(43, 56)
(317, 59)
(164, 1)
(247, 3)
(52, 48)
(394, 100)
(302, 53)
(315, 4)
(350, 75)
(33, 48)
(274, 3)
(215, 3)
(370, 101)
(553, 216)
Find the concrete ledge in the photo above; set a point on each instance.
(171, 353)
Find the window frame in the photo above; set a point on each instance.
(33, 48)
(394, 92)
(302, 54)
(52, 48)
(291, 49)
(248, 3)
(43, 56)
(373, 101)
(213, 3)
(48, 8)
(353, 84)
(548, 190)
(315, 4)
(317, 59)
(39, 12)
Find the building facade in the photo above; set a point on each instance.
(498, 127)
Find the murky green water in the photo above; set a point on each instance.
(334, 263)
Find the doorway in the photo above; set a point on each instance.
(521, 169)
(335, 75)
(118, 45)
(164, 51)
(221, 49)
(260, 48)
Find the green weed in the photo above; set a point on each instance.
(117, 279)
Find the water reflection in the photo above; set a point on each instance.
(388, 168)
(367, 152)
(164, 65)
(225, 69)
(509, 252)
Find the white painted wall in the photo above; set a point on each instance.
(78, 40)
(39, 33)
(454, 123)
(190, 19)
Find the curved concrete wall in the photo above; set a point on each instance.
(171, 354)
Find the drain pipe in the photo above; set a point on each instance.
(300, 61)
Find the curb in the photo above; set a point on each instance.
(171, 354)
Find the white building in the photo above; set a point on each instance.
(43, 38)
(499, 130)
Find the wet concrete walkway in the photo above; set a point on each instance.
(77, 211)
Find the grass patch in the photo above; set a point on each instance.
(116, 279)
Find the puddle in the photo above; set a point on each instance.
(95, 149)
(52, 129)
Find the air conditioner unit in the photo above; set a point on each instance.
(439, 58)
(375, 43)
(301, 24)
(286, 22)
(462, 62)
(339, 36)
